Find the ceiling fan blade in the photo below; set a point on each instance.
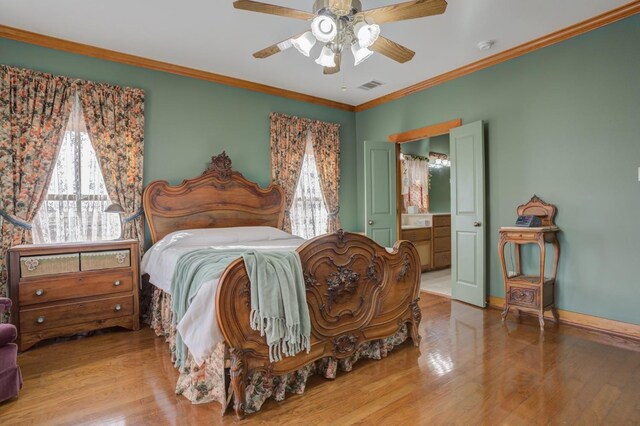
(408, 10)
(336, 69)
(392, 50)
(272, 9)
(275, 48)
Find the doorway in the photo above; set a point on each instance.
(440, 206)
(424, 202)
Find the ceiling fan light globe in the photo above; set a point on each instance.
(327, 58)
(324, 28)
(304, 43)
(360, 54)
(367, 34)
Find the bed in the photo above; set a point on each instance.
(362, 298)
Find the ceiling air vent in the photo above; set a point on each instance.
(371, 85)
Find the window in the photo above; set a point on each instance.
(308, 212)
(73, 209)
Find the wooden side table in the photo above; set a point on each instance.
(531, 293)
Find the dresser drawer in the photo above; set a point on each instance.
(52, 289)
(442, 220)
(33, 266)
(524, 296)
(75, 313)
(441, 244)
(442, 231)
(93, 260)
(441, 260)
(418, 234)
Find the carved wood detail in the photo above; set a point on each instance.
(345, 344)
(406, 267)
(368, 301)
(220, 166)
(341, 283)
(522, 295)
(221, 197)
(237, 375)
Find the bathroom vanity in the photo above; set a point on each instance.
(431, 234)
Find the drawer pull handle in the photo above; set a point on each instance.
(40, 292)
(116, 283)
(118, 307)
(40, 320)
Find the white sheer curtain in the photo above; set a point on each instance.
(309, 217)
(73, 209)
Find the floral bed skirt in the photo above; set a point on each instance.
(206, 383)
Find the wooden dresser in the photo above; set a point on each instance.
(63, 289)
(441, 241)
(421, 238)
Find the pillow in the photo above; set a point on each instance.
(214, 236)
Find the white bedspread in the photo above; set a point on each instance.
(199, 328)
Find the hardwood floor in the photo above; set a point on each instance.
(469, 369)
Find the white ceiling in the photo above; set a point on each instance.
(213, 36)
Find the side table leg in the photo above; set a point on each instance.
(556, 317)
(541, 320)
(505, 311)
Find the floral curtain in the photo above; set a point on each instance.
(115, 120)
(325, 138)
(34, 109)
(288, 142)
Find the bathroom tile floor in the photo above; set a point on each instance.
(438, 282)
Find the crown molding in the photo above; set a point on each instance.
(137, 61)
(591, 24)
(596, 22)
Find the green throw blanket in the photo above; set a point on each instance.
(278, 301)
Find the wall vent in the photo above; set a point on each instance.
(371, 85)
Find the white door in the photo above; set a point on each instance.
(467, 214)
(380, 192)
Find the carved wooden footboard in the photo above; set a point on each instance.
(356, 292)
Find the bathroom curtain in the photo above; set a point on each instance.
(415, 181)
(34, 109)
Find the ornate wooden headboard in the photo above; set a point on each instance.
(221, 197)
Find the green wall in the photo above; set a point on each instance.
(563, 123)
(187, 120)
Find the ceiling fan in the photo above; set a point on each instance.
(342, 24)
